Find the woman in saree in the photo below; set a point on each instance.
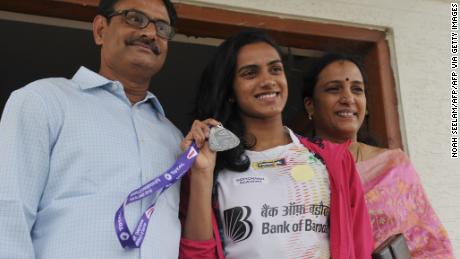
(335, 100)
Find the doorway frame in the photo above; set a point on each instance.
(200, 21)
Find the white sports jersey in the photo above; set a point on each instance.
(279, 208)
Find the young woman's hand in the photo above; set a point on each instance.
(206, 160)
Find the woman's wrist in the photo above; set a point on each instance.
(201, 180)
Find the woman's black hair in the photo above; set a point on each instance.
(311, 78)
(105, 9)
(215, 98)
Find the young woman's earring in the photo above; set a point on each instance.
(309, 116)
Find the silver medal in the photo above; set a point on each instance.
(221, 139)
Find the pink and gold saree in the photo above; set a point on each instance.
(397, 203)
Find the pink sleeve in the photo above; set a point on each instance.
(191, 249)
(361, 225)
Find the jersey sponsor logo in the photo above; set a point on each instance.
(268, 164)
(250, 180)
(237, 227)
(301, 225)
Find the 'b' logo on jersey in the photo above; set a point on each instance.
(236, 224)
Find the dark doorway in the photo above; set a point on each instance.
(34, 51)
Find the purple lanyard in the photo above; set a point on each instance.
(158, 185)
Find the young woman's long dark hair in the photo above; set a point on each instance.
(216, 98)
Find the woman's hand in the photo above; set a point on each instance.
(206, 160)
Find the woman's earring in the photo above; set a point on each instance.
(309, 116)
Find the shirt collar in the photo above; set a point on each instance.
(87, 79)
(156, 103)
(294, 138)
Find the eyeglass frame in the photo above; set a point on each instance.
(153, 21)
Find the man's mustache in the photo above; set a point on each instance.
(152, 44)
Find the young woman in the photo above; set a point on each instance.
(276, 195)
(335, 101)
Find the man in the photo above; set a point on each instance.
(73, 149)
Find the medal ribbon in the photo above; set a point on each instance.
(156, 186)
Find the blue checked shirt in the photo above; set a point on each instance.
(70, 152)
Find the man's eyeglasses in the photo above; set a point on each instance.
(139, 20)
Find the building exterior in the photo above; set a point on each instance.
(417, 35)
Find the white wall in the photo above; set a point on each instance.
(419, 38)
